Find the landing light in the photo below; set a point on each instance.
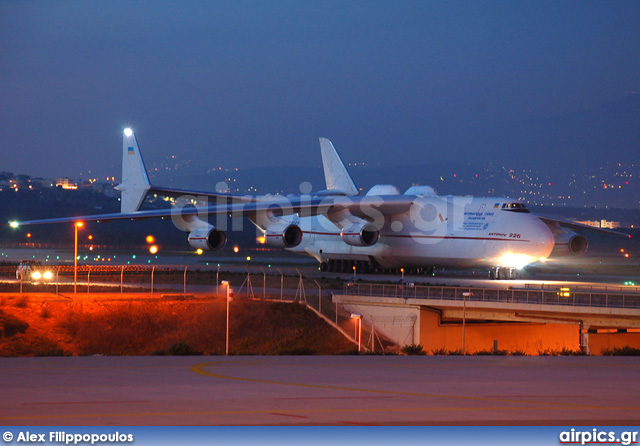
(128, 132)
(14, 224)
(513, 260)
(48, 275)
(36, 275)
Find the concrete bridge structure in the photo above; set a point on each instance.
(520, 320)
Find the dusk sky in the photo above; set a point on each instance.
(249, 83)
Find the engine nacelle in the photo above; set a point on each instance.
(570, 242)
(209, 238)
(360, 234)
(283, 235)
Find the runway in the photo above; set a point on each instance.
(318, 390)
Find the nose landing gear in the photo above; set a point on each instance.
(503, 273)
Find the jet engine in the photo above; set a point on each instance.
(360, 234)
(569, 242)
(208, 238)
(283, 235)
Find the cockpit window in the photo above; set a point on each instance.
(514, 207)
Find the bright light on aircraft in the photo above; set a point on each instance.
(199, 251)
(48, 275)
(513, 260)
(14, 224)
(262, 240)
(128, 132)
(36, 275)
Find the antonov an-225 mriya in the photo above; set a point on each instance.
(384, 229)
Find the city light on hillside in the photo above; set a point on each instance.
(150, 239)
(153, 249)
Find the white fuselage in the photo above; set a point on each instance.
(437, 231)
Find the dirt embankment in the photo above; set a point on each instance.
(50, 325)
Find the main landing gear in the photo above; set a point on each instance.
(368, 267)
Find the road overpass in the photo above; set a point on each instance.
(529, 320)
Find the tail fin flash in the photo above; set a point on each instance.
(135, 182)
(335, 174)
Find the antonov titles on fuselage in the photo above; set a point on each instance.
(384, 229)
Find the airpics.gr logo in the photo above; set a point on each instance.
(596, 436)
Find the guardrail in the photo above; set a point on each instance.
(521, 296)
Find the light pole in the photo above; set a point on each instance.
(281, 283)
(153, 270)
(264, 283)
(78, 224)
(464, 316)
(319, 297)
(358, 317)
(184, 290)
(226, 350)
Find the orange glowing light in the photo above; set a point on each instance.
(621, 249)
(153, 249)
(79, 224)
(626, 255)
(236, 249)
(29, 235)
(90, 248)
(150, 239)
(262, 240)
(90, 237)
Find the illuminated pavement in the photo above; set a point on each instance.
(324, 390)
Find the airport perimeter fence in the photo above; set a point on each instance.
(141, 281)
(559, 296)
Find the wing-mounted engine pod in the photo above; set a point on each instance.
(284, 235)
(209, 238)
(360, 234)
(570, 242)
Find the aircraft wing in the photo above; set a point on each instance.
(219, 196)
(573, 225)
(306, 205)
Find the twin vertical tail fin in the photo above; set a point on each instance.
(335, 174)
(135, 182)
